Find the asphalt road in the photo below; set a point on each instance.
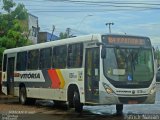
(10, 109)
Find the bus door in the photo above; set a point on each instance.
(92, 75)
(10, 75)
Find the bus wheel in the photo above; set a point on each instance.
(22, 96)
(119, 109)
(76, 102)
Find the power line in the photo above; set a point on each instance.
(111, 8)
(112, 4)
(93, 10)
(78, 31)
(31, 0)
(108, 3)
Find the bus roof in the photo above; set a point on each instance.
(72, 40)
(84, 38)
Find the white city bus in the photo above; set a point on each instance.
(93, 69)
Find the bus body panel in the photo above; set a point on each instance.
(145, 94)
(54, 83)
(38, 86)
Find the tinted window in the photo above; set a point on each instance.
(33, 59)
(75, 55)
(21, 61)
(59, 56)
(45, 58)
(4, 62)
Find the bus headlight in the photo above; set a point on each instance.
(107, 88)
(152, 90)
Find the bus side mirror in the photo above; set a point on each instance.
(103, 53)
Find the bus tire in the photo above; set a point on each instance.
(70, 99)
(22, 96)
(76, 102)
(119, 109)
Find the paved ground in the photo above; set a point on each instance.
(10, 109)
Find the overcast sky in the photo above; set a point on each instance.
(135, 17)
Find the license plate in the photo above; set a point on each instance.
(132, 102)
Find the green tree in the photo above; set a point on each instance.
(7, 5)
(12, 27)
(1, 55)
(20, 12)
(62, 35)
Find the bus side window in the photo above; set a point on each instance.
(45, 58)
(75, 55)
(59, 56)
(33, 59)
(21, 61)
(4, 62)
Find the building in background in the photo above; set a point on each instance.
(33, 28)
(46, 37)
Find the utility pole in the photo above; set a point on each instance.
(109, 24)
(68, 30)
(52, 32)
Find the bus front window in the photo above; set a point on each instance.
(128, 65)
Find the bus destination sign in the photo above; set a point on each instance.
(126, 40)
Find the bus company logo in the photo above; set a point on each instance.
(16, 74)
(123, 91)
(72, 75)
(133, 91)
(30, 76)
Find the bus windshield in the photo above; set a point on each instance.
(128, 65)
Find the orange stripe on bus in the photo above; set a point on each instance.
(16, 74)
(62, 81)
(54, 77)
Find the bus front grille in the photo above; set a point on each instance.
(132, 100)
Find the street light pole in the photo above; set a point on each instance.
(109, 24)
(83, 20)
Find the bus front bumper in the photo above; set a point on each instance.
(126, 99)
